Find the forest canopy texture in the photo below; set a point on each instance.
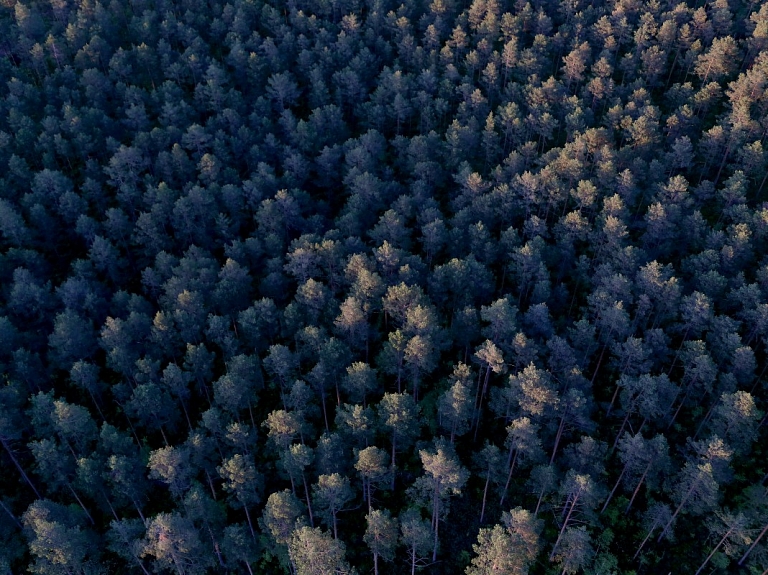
(360, 286)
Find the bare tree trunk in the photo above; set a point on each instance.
(613, 400)
(250, 412)
(393, 461)
(250, 523)
(538, 502)
(679, 507)
(96, 403)
(621, 429)
(11, 515)
(637, 489)
(725, 158)
(704, 421)
(186, 415)
(509, 477)
(309, 503)
(615, 487)
(562, 529)
(436, 525)
(480, 403)
(650, 532)
(138, 509)
(370, 504)
(599, 362)
(322, 401)
(18, 466)
(679, 407)
(81, 504)
(751, 547)
(215, 546)
(762, 184)
(557, 438)
(485, 494)
(727, 533)
(210, 484)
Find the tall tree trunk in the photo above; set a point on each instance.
(11, 515)
(762, 184)
(538, 502)
(599, 362)
(250, 412)
(96, 403)
(621, 429)
(309, 503)
(20, 469)
(705, 421)
(637, 489)
(509, 478)
(480, 402)
(369, 495)
(562, 529)
(325, 411)
(210, 484)
(90, 518)
(679, 507)
(615, 487)
(477, 396)
(557, 438)
(250, 523)
(613, 401)
(727, 533)
(679, 407)
(725, 158)
(436, 525)
(215, 546)
(650, 532)
(751, 547)
(138, 509)
(186, 415)
(485, 494)
(679, 349)
(394, 435)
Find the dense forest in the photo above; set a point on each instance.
(359, 286)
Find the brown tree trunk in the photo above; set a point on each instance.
(727, 533)
(751, 547)
(557, 438)
(637, 489)
(562, 529)
(615, 487)
(679, 507)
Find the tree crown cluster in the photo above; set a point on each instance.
(329, 287)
